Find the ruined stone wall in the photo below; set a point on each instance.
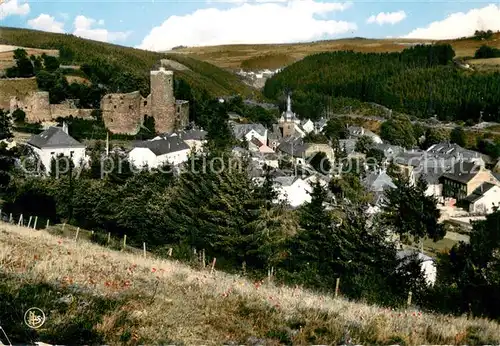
(36, 106)
(65, 110)
(122, 113)
(162, 100)
(182, 112)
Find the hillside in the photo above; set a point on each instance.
(95, 295)
(419, 81)
(76, 51)
(276, 55)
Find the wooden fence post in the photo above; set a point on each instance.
(408, 303)
(170, 252)
(20, 220)
(48, 221)
(77, 231)
(64, 225)
(144, 249)
(213, 266)
(203, 258)
(124, 241)
(244, 268)
(109, 237)
(36, 220)
(10, 218)
(29, 222)
(337, 284)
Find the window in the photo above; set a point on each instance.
(52, 152)
(145, 103)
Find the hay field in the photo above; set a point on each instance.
(237, 56)
(127, 299)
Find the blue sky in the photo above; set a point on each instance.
(160, 25)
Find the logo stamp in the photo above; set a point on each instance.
(34, 318)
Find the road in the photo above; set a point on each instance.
(434, 124)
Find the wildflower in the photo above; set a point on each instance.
(59, 242)
(35, 257)
(126, 283)
(107, 284)
(153, 270)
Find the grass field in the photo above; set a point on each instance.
(91, 294)
(277, 55)
(487, 65)
(19, 87)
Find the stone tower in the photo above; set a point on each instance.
(162, 100)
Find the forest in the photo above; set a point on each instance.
(421, 81)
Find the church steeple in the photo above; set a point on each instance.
(289, 104)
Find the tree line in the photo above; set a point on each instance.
(419, 81)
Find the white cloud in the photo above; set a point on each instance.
(84, 28)
(387, 18)
(13, 7)
(289, 21)
(461, 24)
(46, 23)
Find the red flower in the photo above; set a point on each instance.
(35, 257)
(59, 241)
(107, 284)
(153, 270)
(126, 283)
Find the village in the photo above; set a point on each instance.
(465, 190)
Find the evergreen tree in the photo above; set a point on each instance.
(458, 136)
(5, 126)
(408, 211)
(363, 144)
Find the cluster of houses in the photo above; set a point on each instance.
(457, 177)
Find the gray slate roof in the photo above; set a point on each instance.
(240, 130)
(479, 192)
(463, 172)
(378, 182)
(54, 137)
(163, 146)
(293, 147)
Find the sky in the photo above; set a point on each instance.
(160, 25)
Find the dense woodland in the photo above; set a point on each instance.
(420, 81)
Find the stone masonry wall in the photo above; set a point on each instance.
(162, 100)
(182, 112)
(36, 106)
(122, 113)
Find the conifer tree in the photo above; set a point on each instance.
(408, 211)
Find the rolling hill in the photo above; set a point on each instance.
(75, 51)
(95, 295)
(261, 56)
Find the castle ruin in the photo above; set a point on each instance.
(121, 113)
(125, 113)
(37, 107)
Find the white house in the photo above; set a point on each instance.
(295, 190)
(427, 264)
(56, 141)
(157, 152)
(249, 131)
(484, 199)
(308, 126)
